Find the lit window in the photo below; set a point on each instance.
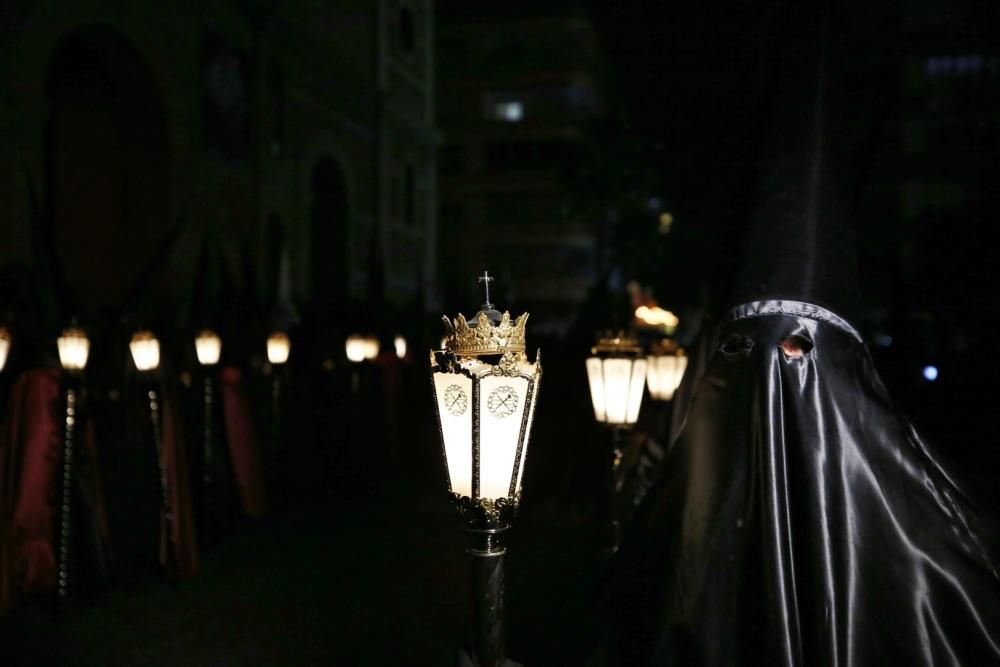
(510, 112)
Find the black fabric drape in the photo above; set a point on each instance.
(801, 520)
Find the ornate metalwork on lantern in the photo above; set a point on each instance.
(485, 393)
(482, 337)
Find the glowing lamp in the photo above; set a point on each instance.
(400, 344)
(208, 345)
(278, 348)
(74, 348)
(666, 368)
(145, 351)
(361, 348)
(617, 376)
(485, 393)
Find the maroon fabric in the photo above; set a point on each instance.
(181, 549)
(30, 465)
(244, 451)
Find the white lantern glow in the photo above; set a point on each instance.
(145, 351)
(4, 347)
(667, 364)
(278, 348)
(74, 348)
(617, 378)
(485, 410)
(400, 344)
(361, 348)
(208, 346)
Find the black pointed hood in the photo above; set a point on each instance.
(800, 241)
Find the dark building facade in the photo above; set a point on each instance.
(300, 135)
(512, 97)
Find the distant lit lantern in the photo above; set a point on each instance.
(400, 343)
(208, 345)
(278, 348)
(666, 368)
(74, 348)
(361, 348)
(654, 316)
(4, 347)
(617, 376)
(145, 351)
(485, 393)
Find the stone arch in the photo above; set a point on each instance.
(106, 164)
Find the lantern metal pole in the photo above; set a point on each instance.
(487, 551)
(66, 506)
(619, 443)
(208, 456)
(165, 505)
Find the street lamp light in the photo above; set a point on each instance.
(616, 372)
(145, 349)
(74, 348)
(485, 393)
(666, 368)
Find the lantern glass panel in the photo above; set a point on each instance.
(595, 376)
(501, 413)
(528, 369)
(636, 389)
(617, 384)
(4, 348)
(453, 392)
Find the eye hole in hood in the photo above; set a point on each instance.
(795, 347)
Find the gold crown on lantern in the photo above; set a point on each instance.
(483, 337)
(488, 333)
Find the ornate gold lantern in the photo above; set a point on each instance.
(485, 393)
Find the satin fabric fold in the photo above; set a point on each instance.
(801, 520)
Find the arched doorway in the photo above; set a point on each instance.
(107, 165)
(328, 216)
